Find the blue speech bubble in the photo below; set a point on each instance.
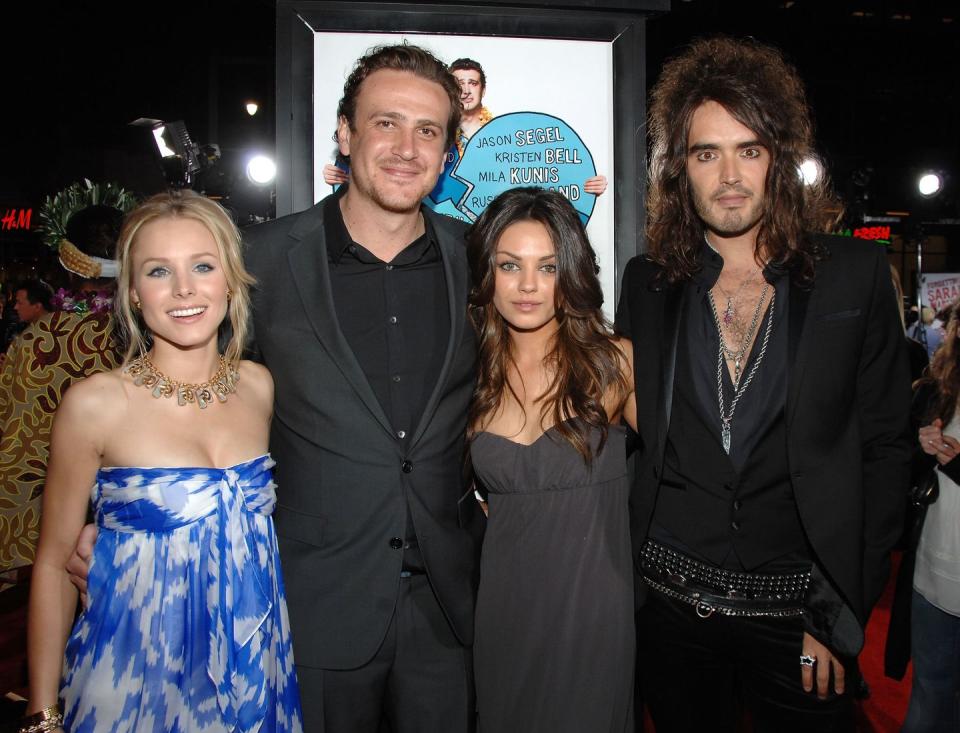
(525, 149)
(449, 190)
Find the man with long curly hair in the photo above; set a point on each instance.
(774, 461)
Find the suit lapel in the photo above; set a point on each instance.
(310, 273)
(455, 278)
(674, 304)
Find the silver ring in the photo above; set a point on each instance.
(807, 660)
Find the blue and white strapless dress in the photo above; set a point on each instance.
(186, 626)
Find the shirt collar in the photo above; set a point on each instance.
(339, 240)
(711, 263)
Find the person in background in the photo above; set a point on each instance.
(53, 352)
(31, 300)
(926, 332)
(925, 618)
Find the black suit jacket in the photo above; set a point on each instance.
(343, 478)
(847, 409)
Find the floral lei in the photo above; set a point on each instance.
(98, 302)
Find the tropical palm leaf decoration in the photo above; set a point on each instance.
(58, 209)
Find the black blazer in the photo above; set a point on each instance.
(343, 478)
(846, 418)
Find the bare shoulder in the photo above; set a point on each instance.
(91, 406)
(257, 380)
(625, 347)
(94, 397)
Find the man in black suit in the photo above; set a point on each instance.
(772, 409)
(360, 315)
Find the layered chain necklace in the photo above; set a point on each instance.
(744, 334)
(736, 355)
(730, 312)
(222, 383)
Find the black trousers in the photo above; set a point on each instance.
(699, 674)
(419, 681)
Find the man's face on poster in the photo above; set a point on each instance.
(471, 89)
(397, 143)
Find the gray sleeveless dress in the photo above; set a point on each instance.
(554, 646)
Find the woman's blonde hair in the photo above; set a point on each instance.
(184, 204)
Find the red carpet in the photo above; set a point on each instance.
(886, 708)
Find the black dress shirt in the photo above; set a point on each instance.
(764, 398)
(395, 317)
(738, 510)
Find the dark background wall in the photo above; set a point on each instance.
(881, 74)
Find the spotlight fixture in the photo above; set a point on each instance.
(930, 184)
(810, 171)
(180, 158)
(261, 170)
(252, 108)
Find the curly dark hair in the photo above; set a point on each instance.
(400, 57)
(759, 89)
(586, 362)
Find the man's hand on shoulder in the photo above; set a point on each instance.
(78, 566)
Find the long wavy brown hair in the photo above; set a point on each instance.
(756, 86)
(944, 373)
(585, 362)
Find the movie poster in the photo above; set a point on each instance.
(544, 118)
(939, 290)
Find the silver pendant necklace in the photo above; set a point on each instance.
(739, 388)
(730, 312)
(746, 338)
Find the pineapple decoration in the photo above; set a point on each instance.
(56, 213)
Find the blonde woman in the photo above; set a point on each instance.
(185, 625)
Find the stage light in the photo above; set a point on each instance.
(810, 171)
(165, 150)
(180, 158)
(930, 184)
(261, 170)
(252, 108)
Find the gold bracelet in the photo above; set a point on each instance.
(46, 720)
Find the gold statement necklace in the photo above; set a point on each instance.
(221, 384)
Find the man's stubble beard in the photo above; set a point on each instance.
(393, 202)
(732, 222)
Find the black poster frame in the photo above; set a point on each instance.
(299, 21)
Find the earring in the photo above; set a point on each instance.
(229, 293)
(136, 305)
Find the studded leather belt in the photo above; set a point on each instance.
(710, 589)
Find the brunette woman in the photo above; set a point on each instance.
(554, 648)
(927, 599)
